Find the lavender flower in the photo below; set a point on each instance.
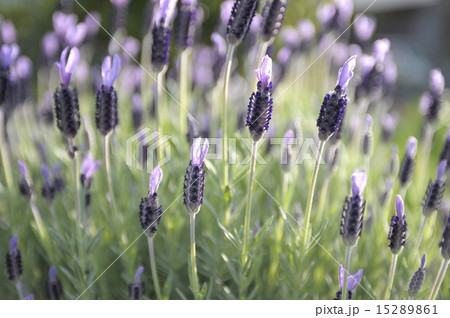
(137, 288)
(307, 32)
(62, 22)
(397, 231)
(25, 186)
(14, 260)
(76, 34)
(8, 55)
(58, 181)
(50, 45)
(445, 241)
(353, 210)
(185, 24)
(240, 20)
(286, 150)
(150, 210)
(161, 34)
(92, 21)
(194, 179)
(67, 110)
(388, 126)
(47, 190)
(431, 101)
(53, 287)
(335, 102)
(106, 115)
(137, 111)
(261, 103)
(416, 282)
(88, 167)
(435, 191)
(445, 152)
(8, 32)
(364, 28)
(408, 163)
(367, 141)
(273, 15)
(352, 282)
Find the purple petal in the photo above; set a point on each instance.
(220, 43)
(8, 32)
(72, 61)
(411, 147)
(364, 27)
(400, 207)
(62, 22)
(23, 67)
(53, 271)
(89, 166)
(306, 29)
(288, 138)
(8, 54)
(137, 276)
(359, 181)
(441, 169)
(341, 274)
(110, 70)
(22, 168)
(380, 49)
(264, 74)
(255, 25)
(437, 82)
(13, 243)
(92, 21)
(66, 66)
(345, 74)
(422, 262)
(354, 280)
(50, 45)
(325, 14)
(166, 11)
(155, 179)
(76, 34)
(45, 172)
(225, 11)
(198, 152)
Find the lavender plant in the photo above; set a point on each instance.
(445, 253)
(352, 282)
(14, 264)
(417, 280)
(137, 288)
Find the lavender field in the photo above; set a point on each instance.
(244, 149)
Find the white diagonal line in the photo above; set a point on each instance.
(191, 117)
(315, 240)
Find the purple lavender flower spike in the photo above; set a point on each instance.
(437, 82)
(242, 14)
(88, 167)
(380, 49)
(306, 30)
(110, 70)
(29, 297)
(441, 170)
(76, 34)
(50, 45)
(364, 27)
(418, 278)
(325, 14)
(359, 181)
(8, 54)
(13, 243)
(423, 261)
(264, 74)
(22, 168)
(92, 22)
(411, 147)
(198, 152)
(62, 22)
(137, 276)
(53, 271)
(354, 280)
(345, 73)
(400, 207)
(8, 32)
(67, 66)
(445, 241)
(53, 286)
(45, 171)
(155, 179)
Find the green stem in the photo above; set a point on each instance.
(348, 257)
(19, 290)
(195, 288)
(419, 236)
(311, 194)
(151, 252)
(439, 279)
(38, 218)
(323, 196)
(391, 276)
(248, 208)
(184, 90)
(4, 150)
(226, 83)
(107, 159)
(158, 98)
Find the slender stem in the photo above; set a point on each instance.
(424, 154)
(262, 49)
(419, 236)
(53, 213)
(107, 159)
(184, 89)
(38, 218)
(151, 252)
(248, 208)
(348, 258)
(19, 290)
(4, 150)
(311, 194)
(228, 62)
(391, 276)
(439, 279)
(323, 196)
(195, 287)
(158, 98)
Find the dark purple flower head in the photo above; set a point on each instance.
(88, 167)
(8, 54)
(364, 27)
(67, 65)
(418, 278)
(272, 19)
(8, 32)
(110, 70)
(155, 179)
(435, 191)
(53, 286)
(241, 17)
(445, 241)
(53, 271)
(14, 260)
(397, 232)
(137, 288)
(198, 152)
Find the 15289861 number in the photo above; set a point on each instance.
(407, 309)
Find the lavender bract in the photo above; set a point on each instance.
(185, 24)
(261, 104)
(352, 282)
(88, 167)
(397, 231)
(334, 104)
(150, 210)
(137, 288)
